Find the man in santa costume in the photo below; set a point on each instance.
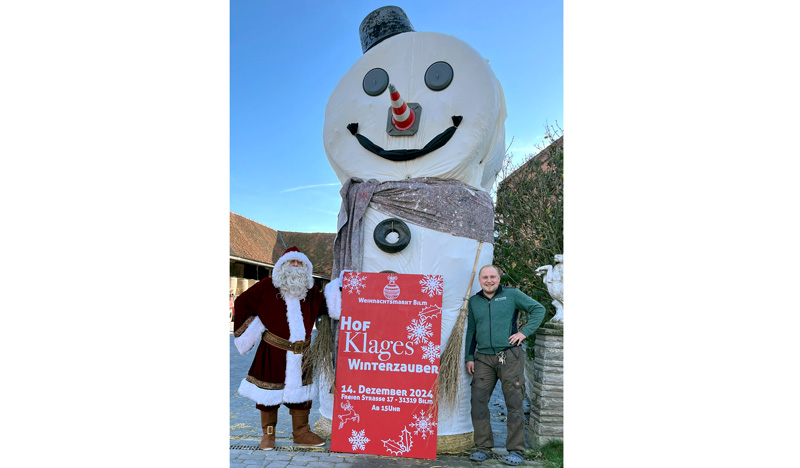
(277, 314)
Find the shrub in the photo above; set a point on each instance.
(529, 221)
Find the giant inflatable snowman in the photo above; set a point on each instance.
(415, 133)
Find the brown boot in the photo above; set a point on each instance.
(268, 421)
(301, 432)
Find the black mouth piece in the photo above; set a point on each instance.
(406, 154)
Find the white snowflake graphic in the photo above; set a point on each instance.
(431, 351)
(431, 285)
(419, 332)
(423, 425)
(354, 282)
(359, 441)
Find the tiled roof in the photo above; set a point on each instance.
(251, 240)
(254, 241)
(318, 247)
(543, 156)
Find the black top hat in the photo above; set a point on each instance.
(383, 23)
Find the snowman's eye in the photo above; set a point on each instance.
(439, 76)
(375, 81)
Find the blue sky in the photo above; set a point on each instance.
(287, 57)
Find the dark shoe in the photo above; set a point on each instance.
(268, 421)
(512, 459)
(301, 433)
(478, 456)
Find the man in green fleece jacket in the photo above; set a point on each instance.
(493, 351)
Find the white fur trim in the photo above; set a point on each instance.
(299, 395)
(276, 397)
(297, 329)
(293, 375)
(297, 332)
(333, 298)
(245, 342)
(295, 256)
(259, 395)
(295, 392)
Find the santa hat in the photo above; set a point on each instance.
(292, 253)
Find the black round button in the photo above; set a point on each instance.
(438, 76)
(375, 81)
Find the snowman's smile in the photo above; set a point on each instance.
(406, 154)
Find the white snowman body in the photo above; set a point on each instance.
(473, 156)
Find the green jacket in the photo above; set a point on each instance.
(491, 322)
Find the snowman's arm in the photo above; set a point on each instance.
(333, 298)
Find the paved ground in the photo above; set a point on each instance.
(245, 434)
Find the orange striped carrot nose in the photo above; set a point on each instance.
(402, 115)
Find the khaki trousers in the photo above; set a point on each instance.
(511, 374)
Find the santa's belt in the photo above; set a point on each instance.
(296, 347)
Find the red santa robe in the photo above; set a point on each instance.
(275, 376)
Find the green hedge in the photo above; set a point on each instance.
(529, 223)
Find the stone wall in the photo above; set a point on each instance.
(544, 377)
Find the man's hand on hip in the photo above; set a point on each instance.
(516, 339)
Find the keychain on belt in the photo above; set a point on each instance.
(501, 356)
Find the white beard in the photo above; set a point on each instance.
(291, 281)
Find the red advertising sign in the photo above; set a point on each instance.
(387, 363)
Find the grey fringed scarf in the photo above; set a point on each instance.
(443, 205)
